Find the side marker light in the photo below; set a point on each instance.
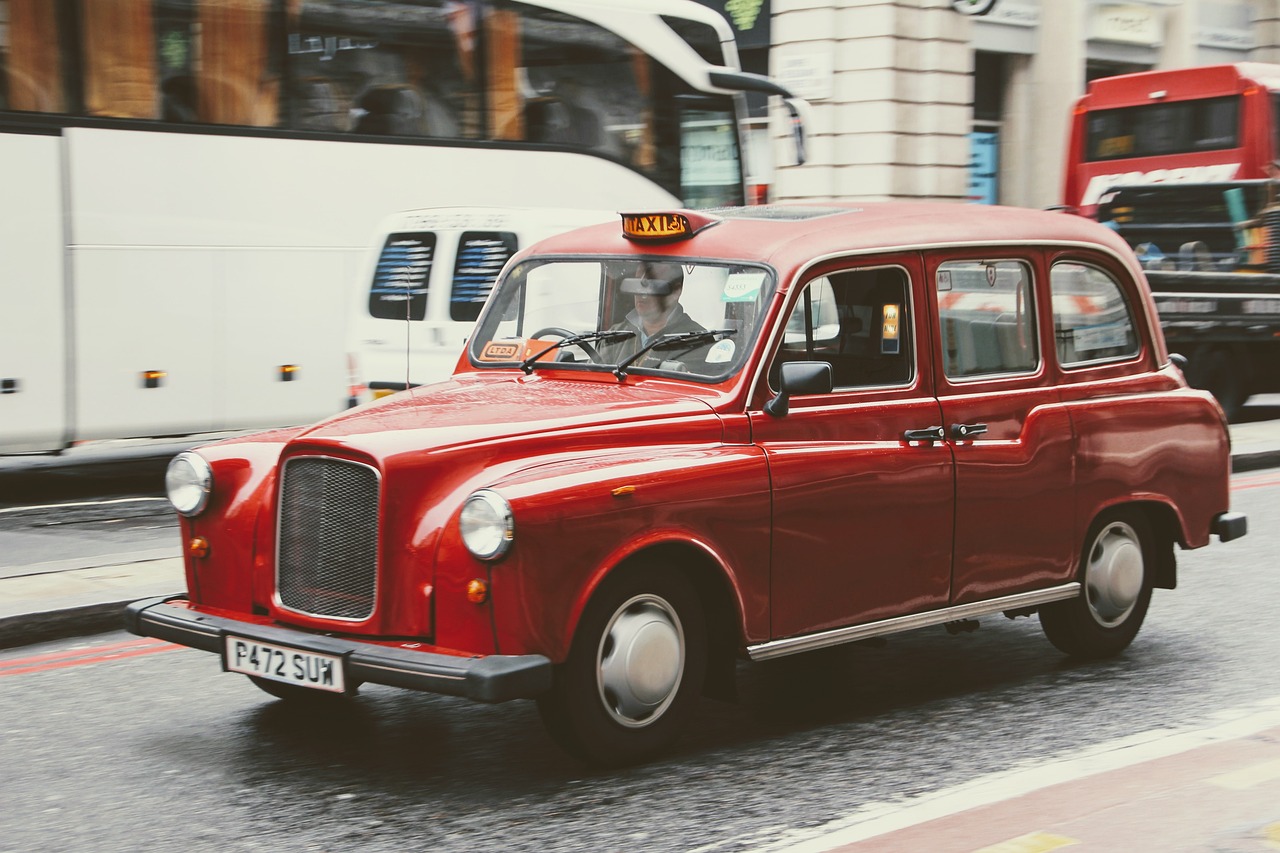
(198, 547)
(477, 591)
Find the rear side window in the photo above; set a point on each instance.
(481, 256)
(1092, 321)
(988, 318)
(399, 290)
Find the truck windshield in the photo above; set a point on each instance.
(644, 314)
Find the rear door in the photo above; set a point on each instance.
(1008, 429)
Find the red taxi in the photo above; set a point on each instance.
(700, 437)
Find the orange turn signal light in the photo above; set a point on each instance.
(477, 591)
(198, 547)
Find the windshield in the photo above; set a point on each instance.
(625, 316)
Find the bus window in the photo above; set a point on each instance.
(1150, 130)
(31, 59)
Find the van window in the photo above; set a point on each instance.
(857, 321)
(481, 256)
(399, 290)
(1091, 320)
(988, 318)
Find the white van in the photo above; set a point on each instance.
(421, 290)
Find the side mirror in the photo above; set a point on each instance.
(798, 109)
(799, 377)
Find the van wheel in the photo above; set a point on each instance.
(634, 671)
(1116, 575)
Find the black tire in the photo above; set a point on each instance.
(1117, 568)
(296, 694)
(608, 714)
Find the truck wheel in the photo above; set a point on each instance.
(1116, 575)
(1216, 372)
(635, 668)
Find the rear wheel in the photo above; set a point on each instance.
(635, 668)
(1116, 575)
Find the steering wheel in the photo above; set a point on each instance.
(592, 352)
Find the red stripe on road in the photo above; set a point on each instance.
(83, 657)
(1260, 482)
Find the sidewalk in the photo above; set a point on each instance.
(49, 601)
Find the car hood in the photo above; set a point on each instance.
(470, 411)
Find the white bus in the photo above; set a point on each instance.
(190, 186)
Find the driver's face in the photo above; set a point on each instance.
(651, 308)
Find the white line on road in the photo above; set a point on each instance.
(876, 819)
(80, 503)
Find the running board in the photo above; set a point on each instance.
(809, 642)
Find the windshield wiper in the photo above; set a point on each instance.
(605, 335)
(669, 341)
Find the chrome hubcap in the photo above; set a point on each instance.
(1113, 574)
(640, 661)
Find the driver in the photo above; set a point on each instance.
(657, 310)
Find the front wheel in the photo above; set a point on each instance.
(1116, 576)
(634, 671)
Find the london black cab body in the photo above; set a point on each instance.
(696, 437)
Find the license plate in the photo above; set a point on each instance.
(281, 663)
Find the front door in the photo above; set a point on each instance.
(862, 518)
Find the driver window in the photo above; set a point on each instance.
(858, 322)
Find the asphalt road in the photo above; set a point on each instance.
(118, 743)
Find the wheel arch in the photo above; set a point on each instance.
(717, 594)
(1166, 530)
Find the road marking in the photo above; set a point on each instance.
(1239, 780)
(80, 503)
(1035, 842)
(1271, 835)
(1262, 481)
(876, 819)
(84, 657)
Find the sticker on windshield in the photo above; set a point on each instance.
(721, 353)
(742, 287)
(510, 349)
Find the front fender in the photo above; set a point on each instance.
(578, 520)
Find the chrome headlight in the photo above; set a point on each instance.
(189, 482)
(487, 525)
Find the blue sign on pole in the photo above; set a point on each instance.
(984, 151)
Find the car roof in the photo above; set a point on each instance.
(788, 236)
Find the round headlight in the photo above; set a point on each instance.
(486, 524)
(188, 482)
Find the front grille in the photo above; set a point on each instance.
(328, 552)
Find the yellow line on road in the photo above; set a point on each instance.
(1271, 835)
(1239, 780)
(1035, 842)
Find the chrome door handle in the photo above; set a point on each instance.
(967, 430)
(926, 434)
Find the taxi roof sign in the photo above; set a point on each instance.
(661, 226)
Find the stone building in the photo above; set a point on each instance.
(913, 99)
